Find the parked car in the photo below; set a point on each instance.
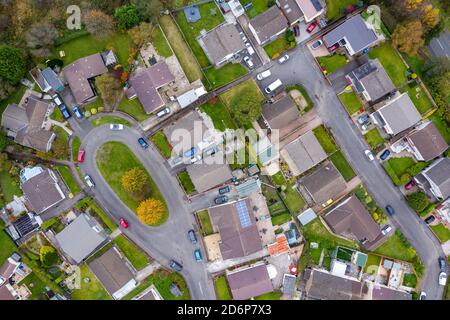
(297, 30)
(224, 190)
(423, 295)
(198, 255)
(123, 223)
(386, 153)
(316, 44)
(386, 230)
(190, 153)
(442, 264)
(143, 144)
(442, 278)
(263, 75)
(65, 112)
(369, 155)
(57, 99)
(192, 236)
(311, 27)
(89, 181)
(363, 119)
(175, 266)
(80, 156)
(243, 37)
(410, 185)
(163, 112)
(250, 50)
(322, 23)
(333, 48)
(249, 62)
(430, 219)
(77, 112)
(116, 126)
(221, 199)
(283, 59)
(273, 86)
(390, 210)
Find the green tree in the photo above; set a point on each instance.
(12, 64)
(48, 256)
(148, 9)
(5, 163)
(110, 89)
(135, 181)
(127, 16)
(5, 89)
(418, 201)
(408, 37)
(246, 108)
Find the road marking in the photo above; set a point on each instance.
(200, 286)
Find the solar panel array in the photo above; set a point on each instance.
(243, 214)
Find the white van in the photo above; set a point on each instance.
(274, 85)
(263, 75)
(250, 50)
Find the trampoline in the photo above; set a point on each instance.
(192, 13)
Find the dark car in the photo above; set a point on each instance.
(390, 210)
(65, 112)
(77, 112)
(363, 119)
(221, 199)
(385, 154)
(175, 266)
(430, 219)
(224, 190)
(311, 27)
(442, 263)
(297, 30)
(192, 236)
(143, 143)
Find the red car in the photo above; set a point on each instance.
(333, 48)
(80, 157)
(312, 26)
(409, 185)
(123, 223)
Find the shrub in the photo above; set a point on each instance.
(93, 111)
(416, 168)
(87, 114)
(405, 178)
(418, 201)
(101, 109)
(48, 256)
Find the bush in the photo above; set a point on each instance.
(87, 114)
(48, 256)
(416, 168)
(93, 111)
(405, 178)
(101, 109)
(418, 201)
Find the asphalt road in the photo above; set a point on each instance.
(301, 68)
(169, 241)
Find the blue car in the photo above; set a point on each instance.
(143, 144)
(390, 210)
(385, 154)
(65, 112)
(198, 255)
(190, 153)
(77, 112)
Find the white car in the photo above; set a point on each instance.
(116, 126)
(250, 50)
(89, 181)
(369, 155)
(249, 62)
(442, 278)
(163, 112)
(423, 295)
(386, 230)
(283, 59)
(57, 99)
(263, 75)
(316, 44)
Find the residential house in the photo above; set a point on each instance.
(114, 273)
(268, 25)
(303, 153)
(236, 224)
(7, 270)
(443, 209)
(80, 74)
(145, 84)
(82, 237)
(151, 293)
(222, 44)
(291, 10)
(351, 219)
(249, 282)
(397, 115)
(380, 292)
(266, 151)
(191, 96)
(28, 123)
(23, 226)
(47, 79)
(371, 80)
(42, 191)
(280, 246)
(440, 46)
(311, 9)
(354, 34)
(306, 216)
(279, 114)
(289, 284)
(324, 185)
(436, 178)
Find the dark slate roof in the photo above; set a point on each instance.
(280, 113)
(52, 79)
(428, 141)
(322, 285)
(385, 293)
(25, 224)
(439, 173)
(269, 23)
(250, 282)
(289, 282)
(291, 10)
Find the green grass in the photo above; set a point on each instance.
(219, 115)
(110, 120)
(442, 126)
(277, 46)
(211, 17)
(441, 232)
(69, 179)
(15, 97)
(276, 295)
(134, 108)
(279, 219)
(205, 221)
(160, 43)
(391, 61)
(325, 139)
(186, 182)
(222, 289)
(93, 290)
(36, 286)
(422, 103)
(400, 165)
(87, 202)
(333, 62)
(374, 138)
(410, 280)
(7, 245)
(350, 101)
(113, 167)
(291, 196)
(57, 115)
(259, 6)
(9, 187)
(76, 143)
(372, 264)
(315, 231)
(137, 258)
(342, 165)
(184, 55)
(83, 46)
(161, 142)
(334, 7)
(224, 75)
(396, 247)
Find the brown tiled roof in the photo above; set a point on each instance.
(322, 285)
(428, 141)
(5, 294)
(385, 293)
(7, 269)
(291, 10)
(269, 23)
(250, 282)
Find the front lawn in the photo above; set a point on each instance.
(186, 182)
(397, 247)
(161, 142)
(134, 108)
(419, 98)
(222, 290)
(89, 290)
(225, 74)
(137, 258)
(391, 61)
(76, 142)
(69, 179)
(374, 138)
(315, 231)
(410, 280)
(277, 46)
(160, 43)
(110, 120)
(205, 221)
(279, 219)
(113, 168)
(442, 126)
(342, 165)
(333, 62)
(9, 187)
(276, 295)
(211, 16)
(350, 101)
(219, 115)
(57, 115)
(325, 139)
(335, 7)
(400, 165)
(259, 6)
(96, 212)
(291, 196)
(441, 232)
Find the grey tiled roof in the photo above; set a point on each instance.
(250, 282)
(269, 23)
